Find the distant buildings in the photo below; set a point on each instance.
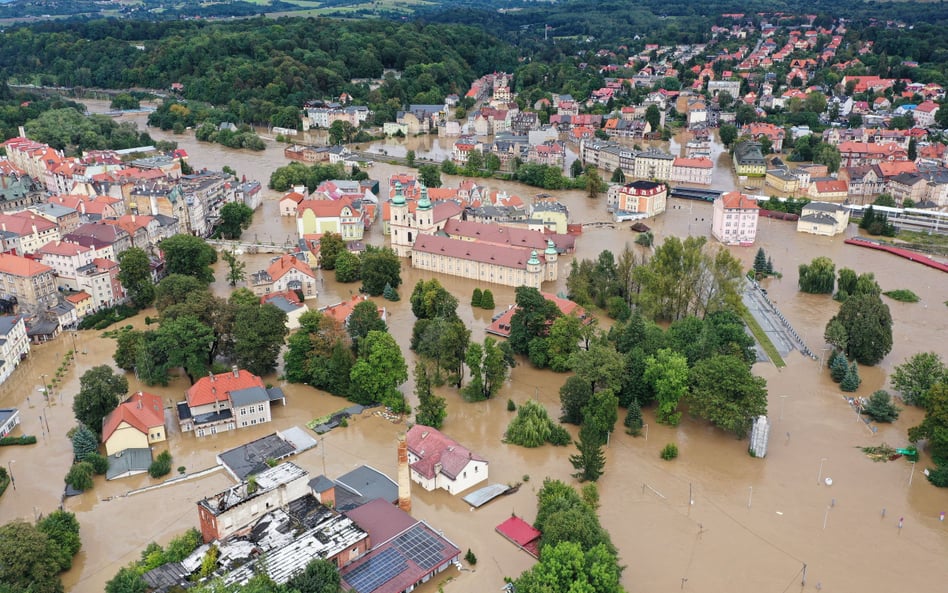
(734, 219)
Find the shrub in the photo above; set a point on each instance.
(511, 406)
(559, 436)
(160, 466)
(99, 462)
(532, 427)
(181, 469)
(80, 476)
(487, 299)
(939, 476)
(470, 557)
(617, 308)
(903, 295)
(476, 298)
(669, 452)
(22, 440)
(880, 407)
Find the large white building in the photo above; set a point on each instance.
(734, 220)
(437, 461)
(14, 344)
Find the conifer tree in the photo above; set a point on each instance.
(390, 293)
(839, 367)
(487, 299)
(760, 261)
(476, 298)
(851, 380)
(633, 418)
(590, 460)
(84, 443)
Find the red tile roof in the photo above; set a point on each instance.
(835, 186)
(738, 201)
(699, 163)
(22, 223)
(502, 255)
(501, 325)
(21, 266)
(287, 262)
(141, 410)
(432, 447)
(78, 297)
(62, 248)
(207, 390)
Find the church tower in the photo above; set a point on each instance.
(424, 214)
(551, 256)
(400, 223)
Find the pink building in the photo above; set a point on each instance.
(734, 221)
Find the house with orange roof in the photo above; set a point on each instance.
(91, 207)
(832, 190)
(925, 113)
(287, 272)
(137, 423)
(640, 197)
(758, 130)
(734, 219)
(82, 301)
(100, 279)
(855, 154)
(31, 282)
(342, 310)
(143, 230)
(500, 326)
(291, 201)
(226, 401)
(343, 217)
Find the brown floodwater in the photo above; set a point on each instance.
(753, 523)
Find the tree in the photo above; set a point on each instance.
(62, 531)
(532, 427)
(490, 365)
(851, 379)
(563, 341)
(565, 568)
(745, 114)
(935, 425)
(330, 246)
(432, 409)
(348, 266)
(653, 117)
(341, 132)
(884, 200)
(838, 366)
(574, 395)
(667, 373)
(176, 289)
(728, 134)
(235, 217)
(319, 576)
(364, 319)
(881, 408)
(531, 320)
(590, 460)
(868, 325)
(99, 393)
(594, 183)
(618, 176)
(836, 335)
(915, 377)
(379, 371)
(259, 333)
(236, 269)
(189, 256)
(380, 266)
(429, 175)
(723, 391)
(818, 277)
(827, 154)
(487, 299)
(25, 560)
(390, 294)
(633, 418)
(84, 443)
(410, 158)
(576, 169)
(760, 262)
(80, 475)
(476, 297)
(135, 276)
(429, 300)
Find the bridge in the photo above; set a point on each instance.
(692, 193)
(251, 247)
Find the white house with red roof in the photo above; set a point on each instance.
(287, 272)
(291, 201)
(437, 461)
(925, 114)
(734, 219)
(227, 401)
(137, 423)
(343, 217)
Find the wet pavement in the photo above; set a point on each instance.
(753, 524)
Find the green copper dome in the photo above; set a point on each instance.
(424, 203)
(550, 248)
(399, 199)
(534, 259)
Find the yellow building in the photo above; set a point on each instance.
(749, 160)
(137, 423)
(781, 180)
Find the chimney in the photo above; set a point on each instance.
(139, 400)
(236, 371)
(404, 475)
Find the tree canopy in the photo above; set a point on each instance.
(100, 390)
(189, 256)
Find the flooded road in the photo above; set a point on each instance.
(753, 524)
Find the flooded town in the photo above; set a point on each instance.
(815, 514)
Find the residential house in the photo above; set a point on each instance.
(553, 214)
(307, 154)
(823, 218)
(31, 231)
(100, 279)
(14, 346)
(290, 202)
(30, 282)
(249, 193)
(749, 160)
(734, 219)
(82, 302)
(137, 423)
(908, 187)
(855, 154)
(696, 170)
(143, 231)
(646, 198)
(828, 190)
(226, 401)
(108, 241)
(91, 207)
(437, 461)
(9, 419)
(782, 180)
(288, 302)
(287, 272)
(759, 130)
(552, 154)
(925, 114)
(66, 258)
(500, 326)
(64, 313)
(17, 189)
(653, 164)
(65, 218)
(342, 311)
(343, 217)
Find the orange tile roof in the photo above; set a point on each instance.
(141, 410)
(738, 201)
(78, 297)
(21, 266)
(287, 262)
(891, 169)
(326, 208)
(834, 186)
(700, 163)
(214, 388)
(22, 223)
(341, 311)
(62, 248)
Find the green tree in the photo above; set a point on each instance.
(432, 409)
(601, 366)
(884, 200)
(728, 134)
(176, 289)
(84, 443)
(839, 366)
(25, 560)
(760, 262)
(62, 531)
(881, 408)
(563, 341)
(319, 576)
(135, 276)
(410, 158)
(818, 277)
(653, 117)
(429, 175)
(330, 246)
(576, 169)
(235, 217)
(590, 460)
(574, 395)
(827, 154)
(80, 475)
(868, 325)
(189, 256)
(594, 184)
(341, 132)
(379, 371)
(935, 425)
(476, 297)
(259, 334)
(184, 342)
(667, 373)
(429, 300)
(618, 176)
(723, 391)
(565, 568)
(348, 266)
(533, 317)
(851, 379)
(236, 269)
(99, 392)
(915, 377)
(836, 335)
(365, 318)
(490, 365)
(487, 299)
(531, 427)
(633, 418)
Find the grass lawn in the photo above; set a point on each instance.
(761, 336)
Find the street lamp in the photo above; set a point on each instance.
(45, 387)
(819, 477)
(10, 465)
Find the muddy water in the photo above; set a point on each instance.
(753, 523)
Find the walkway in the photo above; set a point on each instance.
(906, 253)
(772, 321)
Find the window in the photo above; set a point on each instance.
(260, 408)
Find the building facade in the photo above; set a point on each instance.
(734, 219)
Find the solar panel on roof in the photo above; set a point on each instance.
(377, 571)
(421, 547)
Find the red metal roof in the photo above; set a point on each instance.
(521, 533)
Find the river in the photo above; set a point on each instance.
(753, 523)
